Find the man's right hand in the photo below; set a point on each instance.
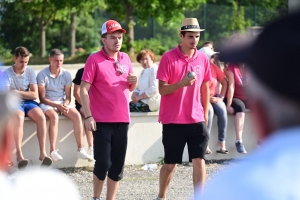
(188, 81)
(90, 124)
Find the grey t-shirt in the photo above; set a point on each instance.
(19, 81)
(55, 87)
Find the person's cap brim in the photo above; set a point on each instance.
(116, 29)
(235, 54)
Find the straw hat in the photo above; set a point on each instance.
(190, 24)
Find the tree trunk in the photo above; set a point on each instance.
(42, 29)
(72, 35)
(130, 28)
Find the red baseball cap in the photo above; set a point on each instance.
(111, 26)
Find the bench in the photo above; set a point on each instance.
(144, 141)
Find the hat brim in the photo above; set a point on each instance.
(236, 54)
(116, 29)
(191, 30)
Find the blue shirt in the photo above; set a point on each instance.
(270, 173)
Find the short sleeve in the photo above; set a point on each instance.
(207, 70)
(68, 78)
(162, 71)
(40, 78)
(77, 79)
(220, 74)
(32, 76)
(89, 70)
(6, 81)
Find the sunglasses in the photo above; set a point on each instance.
(118, 68)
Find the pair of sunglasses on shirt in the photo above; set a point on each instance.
(118, 68)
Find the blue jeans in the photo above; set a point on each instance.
(220, 109)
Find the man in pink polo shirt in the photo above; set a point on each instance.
(106, 82)
(183, 75)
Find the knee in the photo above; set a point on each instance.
(41, 119)
(168, 168)
(19, 117)
(100, 169)
(198, 162)
(116, 174)
(53, 117)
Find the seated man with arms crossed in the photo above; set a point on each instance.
(22, 80)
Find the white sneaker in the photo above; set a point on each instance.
(81, 154)
(55, 156)
(91, 151)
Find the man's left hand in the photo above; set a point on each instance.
(131, 78)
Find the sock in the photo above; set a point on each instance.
(241, 141)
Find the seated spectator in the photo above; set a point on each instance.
(236, 100)
(146, 93)
(22, 80)
(54, 84)
(209, 44)
(78, 106)
(27, 184)
(217, 105)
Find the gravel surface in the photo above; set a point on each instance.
(139, 184)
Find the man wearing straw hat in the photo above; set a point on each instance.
(183, 75)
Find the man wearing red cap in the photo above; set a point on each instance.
(106, 82)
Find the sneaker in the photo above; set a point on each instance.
(55, 156)
(240, 147)
(91, 151)
(81, 154)
(158, 198)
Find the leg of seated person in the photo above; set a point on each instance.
(53, 128)
(210, 118)
(18, 122)
(239, 125)
(239, 110)
(89, 134)
(37, 115)
(220, 110)
(74, 115)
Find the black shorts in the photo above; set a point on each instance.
(175, 136)
(78, 106)
(110, 145)
(238, 105)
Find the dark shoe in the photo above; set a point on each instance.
(223, 151)
(240, 148)
(22, 164)
(47, 161)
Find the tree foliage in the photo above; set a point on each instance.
(138, 11)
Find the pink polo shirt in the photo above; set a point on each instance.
(184, 105)
(109, 91)
(240, 81)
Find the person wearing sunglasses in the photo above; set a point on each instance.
(105, 88)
